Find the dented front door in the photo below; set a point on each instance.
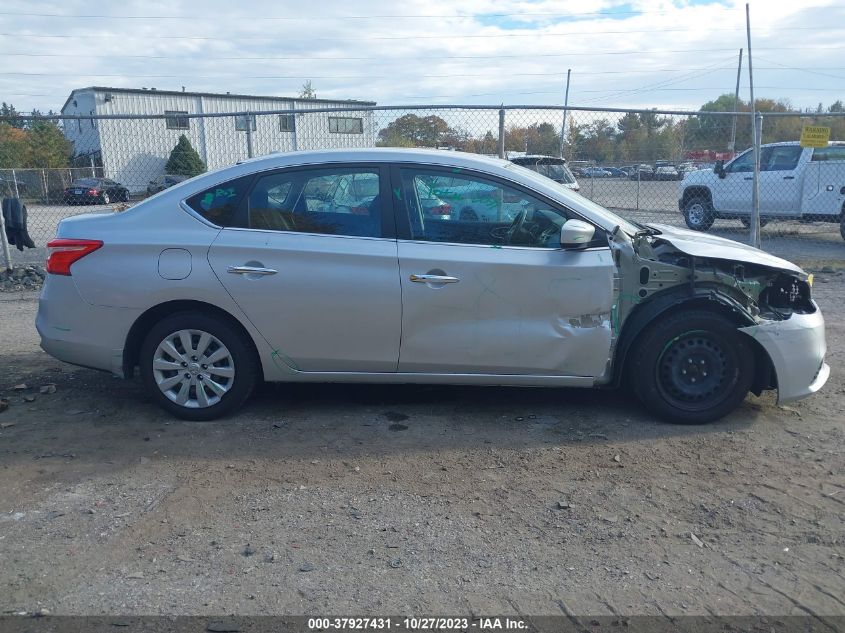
(505, 310)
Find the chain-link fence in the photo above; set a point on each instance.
(652, 166)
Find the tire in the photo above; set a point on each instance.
(176, 376)
(468, 214)
(842, 224)
(124, 195)
(746, 222)
(105, 197)
(698, 214)
(691, 367)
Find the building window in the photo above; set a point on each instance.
(241, 122)
(346, 125)
(287, 122)
(176, 120)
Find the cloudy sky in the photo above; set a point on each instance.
(635, 53)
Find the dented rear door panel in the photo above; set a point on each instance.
(513, 310)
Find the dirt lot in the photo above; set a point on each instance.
(350, 499)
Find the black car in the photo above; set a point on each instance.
(11, 186)
(95, 191)
(160, 183)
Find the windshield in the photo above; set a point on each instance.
(609, 218)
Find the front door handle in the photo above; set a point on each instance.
(789, 177)
(749, 178)
(434, 279)
(250, 270)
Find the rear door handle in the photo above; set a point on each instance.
(789, 177)
(434, 279)
(749, 178)
(250, 270)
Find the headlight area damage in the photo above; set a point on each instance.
(662, 268)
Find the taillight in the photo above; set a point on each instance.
(442, 209)
(93, 192)
(61, 253)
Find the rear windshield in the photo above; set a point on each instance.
(555, 169)
(86, 182)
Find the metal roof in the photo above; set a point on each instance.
(225, 95)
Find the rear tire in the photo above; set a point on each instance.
(691, 367)
(746, 222)
(211, 379)
(698, 214)
(105, 198)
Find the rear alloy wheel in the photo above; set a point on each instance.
(698, 214)
(197, 367)
(692, 367)
(124, 196)
(105, 197)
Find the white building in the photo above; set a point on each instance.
(134, 151)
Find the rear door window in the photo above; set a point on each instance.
(218, 204)
(331, 201)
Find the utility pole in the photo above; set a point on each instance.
(755, 140)
(565, 112)
(732, 146)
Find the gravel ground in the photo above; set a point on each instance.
(406, 499)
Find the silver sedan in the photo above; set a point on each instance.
(326, 266)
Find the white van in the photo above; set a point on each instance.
(795, 183)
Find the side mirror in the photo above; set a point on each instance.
(576, 234)
(720, 168)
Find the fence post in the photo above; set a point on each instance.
(502, 133)
(249, 120)
(757, 124)
(7, 256)
(638, 187)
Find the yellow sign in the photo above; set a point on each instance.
(815, 136)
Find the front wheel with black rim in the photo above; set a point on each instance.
(698, 214)
(197, 367)
(691, 367)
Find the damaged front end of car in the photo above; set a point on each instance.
(661, 269)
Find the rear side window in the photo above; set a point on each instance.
(780, 157)
(339, 201)
(218, 204)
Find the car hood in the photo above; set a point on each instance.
(710, 246)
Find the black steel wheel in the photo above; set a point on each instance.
(691, 367)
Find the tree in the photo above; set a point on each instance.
(48, 146)
(11, 116)
(307, 91)
(184, 160)
(411, 130)
(14, 146)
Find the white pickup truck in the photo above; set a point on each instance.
(795, 183)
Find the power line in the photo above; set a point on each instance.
(356, 38)
(322, 18)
